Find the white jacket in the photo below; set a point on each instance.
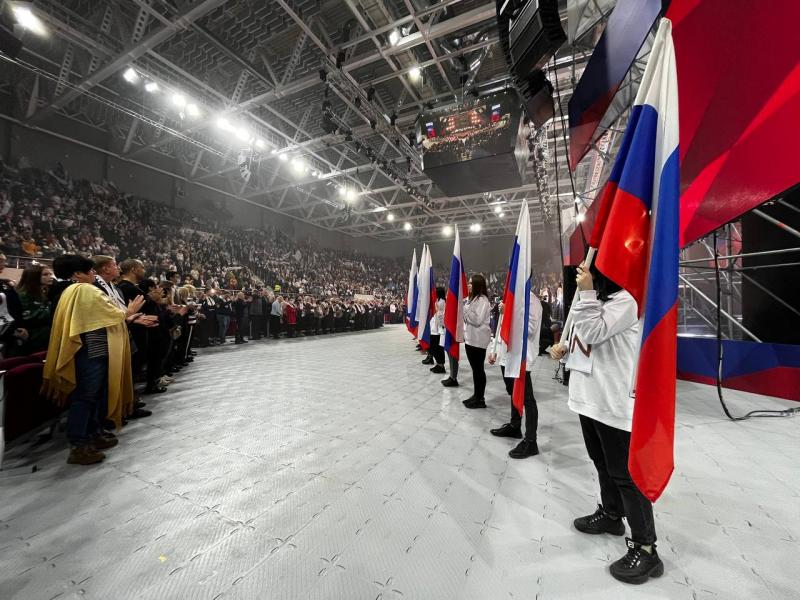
(437, 320)
(609, 331)
(476, 322)
(498, 346)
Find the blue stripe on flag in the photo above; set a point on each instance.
(662, 279)
(639, 166)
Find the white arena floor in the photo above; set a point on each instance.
(339, 468)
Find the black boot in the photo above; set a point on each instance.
(428, 360)
(449, 382)
(525, 449)
(438, 369)
(638, 565)
(600, 522)
(507, 430)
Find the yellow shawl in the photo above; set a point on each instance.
(84, 308)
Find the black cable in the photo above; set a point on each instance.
(789, 412)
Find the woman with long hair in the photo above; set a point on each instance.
(604, 342)
(36, 315)
(477, 334)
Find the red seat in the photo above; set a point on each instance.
(7, 364)
(25, 408)
(38, 356)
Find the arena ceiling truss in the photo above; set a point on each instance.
(262, 64)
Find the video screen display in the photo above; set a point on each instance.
(485, 128)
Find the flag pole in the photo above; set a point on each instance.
(588, 264)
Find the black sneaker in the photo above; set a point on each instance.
(507, 430)
(600, 522)
(449, 382)
(140, 404)
(525, 449)
(475, 403)
(438, 369)
(638, 565)
(428, 360)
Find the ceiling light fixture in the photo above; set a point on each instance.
(178, 100)
(394, 37)
(415, 73)
(390, 217)
(130, 75)
(151, 87)
(407, 226)
(193, 110)
(447, 231)
(28, 20)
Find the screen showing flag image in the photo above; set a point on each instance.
(485, 128)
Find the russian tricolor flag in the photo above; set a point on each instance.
(426, 300)
(411, 297)
(454, 302)
(637, 230)
(516, 307)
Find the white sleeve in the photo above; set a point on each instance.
(595, 321)
(534, 316)
(476, 313)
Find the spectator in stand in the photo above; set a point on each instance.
(224, 314)
(257, 315)
(36, 314)
(8, 290)
(275, 317)
(240, 310)
(290, 317)
(208, 325)
(88, 360)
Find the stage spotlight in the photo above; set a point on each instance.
(390, 217)
(351, 195)
(130, 75)
(498, 210)
(407, 226)
(224, 124)
(242, 134)
(475, 228)
(415, 74)
(193, 110)
(283, 157)
(501, 214)
(178, 100)
(298, 165)
(151, 86)
(447, 231)
(28, 20)
(260, 144)
(394, 37)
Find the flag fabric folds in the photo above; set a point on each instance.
(411, 297)
(426, 299)
(637, 240)
(516, 307)
(454, 302)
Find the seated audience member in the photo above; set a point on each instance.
(88, 360)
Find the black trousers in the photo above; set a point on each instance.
(608, 448)
(437, 350)
(476, 357)
(256, 326)
(275, 326)
(531, 410)
(453, 367)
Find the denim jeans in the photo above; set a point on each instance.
(89, 399)
(223, 321)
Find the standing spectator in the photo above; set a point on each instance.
(256, 315)
(224, 314)
(275, 316)
(240, 310)
(36, 315)
(290, 317)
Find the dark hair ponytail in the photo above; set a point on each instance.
(604, 286)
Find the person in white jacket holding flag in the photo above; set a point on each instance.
(497, 353)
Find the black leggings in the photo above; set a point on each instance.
(437, 350)
(476, 357)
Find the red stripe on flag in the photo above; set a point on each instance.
(604, 203)
(650, 460)
(623, 250)
(508, 311)
(518, 396)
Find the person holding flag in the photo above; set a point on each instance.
(426, 299)
(454, 312)
(497, 353)
(625, 323)
(476, 337)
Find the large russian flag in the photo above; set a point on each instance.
(454, 302)
(411, 296)
(637, 229)
(516, 307)
(426, 301)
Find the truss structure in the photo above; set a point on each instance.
(262, 63)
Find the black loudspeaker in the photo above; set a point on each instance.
(765, 312)
(530, 34)
(10, 45)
